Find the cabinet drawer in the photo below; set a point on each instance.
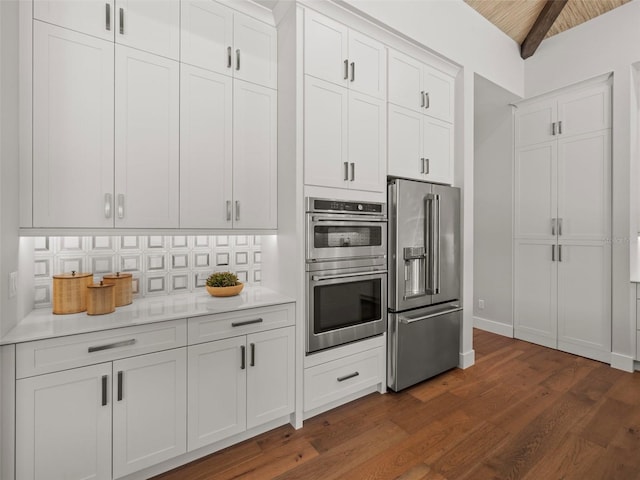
(225, 325)
(44, 356)
(333, 380)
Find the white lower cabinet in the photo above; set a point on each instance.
(257, 372)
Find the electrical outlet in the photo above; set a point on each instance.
(481, 304)
(13, 284)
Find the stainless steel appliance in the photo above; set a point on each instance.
(346, 272)
(423, 333)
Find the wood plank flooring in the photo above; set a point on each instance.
(521, 412)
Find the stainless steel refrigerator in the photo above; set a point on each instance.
(424, 317)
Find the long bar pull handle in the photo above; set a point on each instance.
(553, 128)
(253, 355)
(238, 59)
(107, 205)
(228, 210)
(109, 346)
(426, 168)
(246, 322)
(229, 57)
(436, 237)
(353, 171)
(559, 226)
(107, 16)
(347, 377)
(422, 101)
(346, 69)
(242, 357)
(427, 102)
(120, 385)
(553, 253)
(104, 390)
(428, 242)
(553, 226)
(320, 278)
(237, 210)
(560, 127)
(120, 205)
(353, 71)
(121, 21)
(408, 321)
(346, 171)
(422, 165)
(559, 253)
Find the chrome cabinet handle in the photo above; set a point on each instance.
(108, 16)
(107, 205)
(246, 322)
(560, 127)
(559, 253)
(553, 253)
(109, 346)
(228, 57)
(228, 210)
(120, 385)
(242, 357)
(346, 171)
(121, 21)
(559, 227)
(320, 278)
(104, 390)
(238, 59)
(422, 102)
(347, 377)
(346, 69)
(252, 363)
(553, 128)
(120, 205)
(553, 226)
(427, 102)
(353, 171)
(353, 71)
(422, 165)
(237, 210)
(426, 168)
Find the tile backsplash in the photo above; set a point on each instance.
(160, 265)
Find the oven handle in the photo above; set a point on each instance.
(407, 321)
(320, 278)
(349, 218)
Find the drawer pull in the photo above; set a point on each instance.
(246, 322)
(104, 390)
(347, 377)
(120, 386)
(124, 343)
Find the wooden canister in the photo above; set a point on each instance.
(70, 292)
(124, 287)
(101, 298)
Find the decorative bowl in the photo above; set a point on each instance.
(225, 291)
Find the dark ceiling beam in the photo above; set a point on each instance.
(540, 28)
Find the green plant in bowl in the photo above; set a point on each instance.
(223, 284)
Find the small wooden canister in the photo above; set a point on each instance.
(70, 292)
(124, 287)
(100, 299)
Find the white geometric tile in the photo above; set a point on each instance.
(180, 282)
(222, 241)
(102, 264)
(72, 264)
(129, 243)
(257, 240)
(155, 285)
(257, 276)
(130, 263)
(102, 243)
(70, 244)
(242, 258)
(242, 240)
(179, 260)
(242, 275)
(222, 259)
(257, 257)
(201, 241)
(201, 260)
(41, 267)
(155, 241)
(42, 295)
(179, 241)
(41, 244)
(155, 262)
(200, 279)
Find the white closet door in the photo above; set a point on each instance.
(206, 148)
(72, 129)
(405, 143)
(325, 48)
(93, 17)
(585, 110)
(255, 51)
(147, 140)
(438, 150)
(534, 123)
(405, 81)
(255, 156)
(367, 65)
(439, 89)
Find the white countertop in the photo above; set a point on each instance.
(42, 323)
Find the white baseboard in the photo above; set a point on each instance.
(492, 326)
(622, 362)
(467, 359)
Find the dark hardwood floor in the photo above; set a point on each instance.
(521, 412)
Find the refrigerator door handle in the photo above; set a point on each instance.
(432, 237)
(407, 321)
(436, 258)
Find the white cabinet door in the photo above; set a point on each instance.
(255, 51)
(325, 48)
(367, 143)
(535, 191)
(584, 186)
(94, 17)
(536, 292)
(438, 150)
(367, 65)
(149, 410)
(325, 134)
(206, 35)
(584, 111)
(405, 143)
(72, 129)
(405, 81)
(584, 300)
(217, 391)
(270, 375)
(147, 140)
(255, 156)
(206, 161)
(149, 25)
(63, 425)
(534, 123)
(439, 91)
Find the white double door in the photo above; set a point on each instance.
(562, 247)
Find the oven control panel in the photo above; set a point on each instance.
(318, 205)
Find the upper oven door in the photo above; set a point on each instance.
(332, 237)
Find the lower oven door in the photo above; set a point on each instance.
(344, 307)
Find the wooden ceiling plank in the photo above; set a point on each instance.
(541, 26)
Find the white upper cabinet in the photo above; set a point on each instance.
(415, 85)
(337, 54)
(93, 17)
(149, 25)
(72, 129)
(146, 140)
(438, 150)
(221, 40)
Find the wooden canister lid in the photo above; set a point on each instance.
(73, 274)
(69, 292)
(124, 287)
(118, 275)
(101, 298)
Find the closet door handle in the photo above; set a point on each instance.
(253, 355)
(353, 71)
(107, 205)
(108, 16)
(104, 390)
(121, 21)
(238, 59)
(228, 57)
(120, 385)
(346, 69)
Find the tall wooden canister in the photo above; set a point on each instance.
(70, 292)
(100, 299)
(123, 285)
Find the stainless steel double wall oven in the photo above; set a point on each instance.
(346, 269)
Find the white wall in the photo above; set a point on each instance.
(609, 43)
(493, 207)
